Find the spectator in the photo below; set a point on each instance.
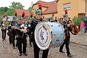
(82, 27)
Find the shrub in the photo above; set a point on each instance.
(77, 20)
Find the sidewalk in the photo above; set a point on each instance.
(79, 39)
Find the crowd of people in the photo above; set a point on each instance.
(19, 31)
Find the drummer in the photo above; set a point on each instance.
(34, 22)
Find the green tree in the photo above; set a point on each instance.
(77, 20)
(6, 9)
(3, 10)
(30, 8)
(10, 12)
(16, 5)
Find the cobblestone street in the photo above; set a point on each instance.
(43, 28)
(78, 49)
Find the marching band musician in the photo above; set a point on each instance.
(66, 42)
(13, 38)
(3, 29)
(9, 33)
(21, 40)
(34, 22)
(29, 33)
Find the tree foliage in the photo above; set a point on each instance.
(77, 20)
(10, 12)
(30, 8)
(3, 10)
(16, 5)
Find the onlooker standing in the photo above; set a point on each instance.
(82, 27)
(85, 26)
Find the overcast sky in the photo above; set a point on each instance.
(26, 3)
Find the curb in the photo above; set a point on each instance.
(79, 43)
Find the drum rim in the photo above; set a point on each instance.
(42, 48)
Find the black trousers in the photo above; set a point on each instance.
(66, 42)
(13, 41)
(30, 41)
(45, 53)
(3, 34)
(21, 46)
(10, 39)
(36, 51)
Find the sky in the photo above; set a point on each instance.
(25, 3)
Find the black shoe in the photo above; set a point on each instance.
(69, 55)
(20, 54)
(3, 40)
(10, 43)
(62, 51)
(14, 47)
(25, 54)
(30, 45)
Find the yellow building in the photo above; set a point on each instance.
(73, 7)
(76, 7)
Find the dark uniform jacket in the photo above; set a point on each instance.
(32, 29)
(66, 30)
(21, 36)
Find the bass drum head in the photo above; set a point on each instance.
(42, 35)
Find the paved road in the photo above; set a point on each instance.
(80, 38)
(77, 50)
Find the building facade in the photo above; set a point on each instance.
(86, 6)
(76, 7)
(73, 7)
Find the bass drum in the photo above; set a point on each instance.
(49, 34)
